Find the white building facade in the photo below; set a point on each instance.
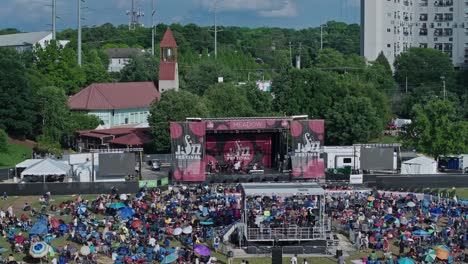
(393, 26)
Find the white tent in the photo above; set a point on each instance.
(47, 167)
(419, 165)
(28, 163)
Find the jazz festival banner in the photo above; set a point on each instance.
(307, 138)
(188, 146)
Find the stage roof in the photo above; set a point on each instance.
(289, 188)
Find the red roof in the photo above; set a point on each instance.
(167, 71)
(137, 138)
(168, 40)
(109, 96)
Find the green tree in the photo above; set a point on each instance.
(172, 107)
(81, 121)
(261, 102)
(53, 112)
(59, 66)
(435, 130)
(3, 141)
(424, 66)
(199, 78)
(353, 120)
(141, 68)
(16, 102)
(228, 100)
(382, 60)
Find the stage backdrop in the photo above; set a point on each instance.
(307, 138)
(249, 147)
(188, 146)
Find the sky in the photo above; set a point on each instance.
(35, 15)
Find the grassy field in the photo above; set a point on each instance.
(16, 153)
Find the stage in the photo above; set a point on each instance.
(247, 149)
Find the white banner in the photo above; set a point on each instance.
(356, 179)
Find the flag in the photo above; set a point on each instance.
(455, 198)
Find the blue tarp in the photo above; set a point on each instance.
(39, 228)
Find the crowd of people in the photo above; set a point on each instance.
(266, 212)
(184, 224)
(149, 227)
(422, 228)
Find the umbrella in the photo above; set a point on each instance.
(206, 222)
(187, 230)
(202, 250)
(85, 251)
(370, 198)
(411, 204)
(3, 250)
(442, 253)
(137, 223)
(123, 197)
(39, 249)
(126, 212)
(169, 259)
(63, 227)
(405, 261)
(443, 247)
(19, 239)
(430, 256)
(177, 231)
(123, 251)
(82, 209)
(116, 205)
(421, 233)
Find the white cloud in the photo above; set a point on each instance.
(287, 10)
(266, 8)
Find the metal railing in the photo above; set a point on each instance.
(289, 233)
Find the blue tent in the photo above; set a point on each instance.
(39, 228)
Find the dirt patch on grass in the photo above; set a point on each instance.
(26, 142)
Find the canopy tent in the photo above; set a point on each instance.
(282, 189)
(420, 165)
(28, 163)
(47, 167)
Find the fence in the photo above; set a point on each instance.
(67, 188)
(285, 234)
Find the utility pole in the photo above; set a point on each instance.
(290, 53)
(443, 82)
(321, 36)
(216, 28)
(79, 31)
(153, 12)
(406, 85)
(54, 18)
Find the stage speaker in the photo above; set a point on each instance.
(276, 255)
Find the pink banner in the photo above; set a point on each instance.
(188, 147)
(307, 139)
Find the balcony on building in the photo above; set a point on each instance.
(423, 32)
(443, 3)
(439, 17)
(448, 17)
(406, 2)
(423, 3)
(448, 32)
(438, 32)
(423, 17)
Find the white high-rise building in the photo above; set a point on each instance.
(393, 26)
